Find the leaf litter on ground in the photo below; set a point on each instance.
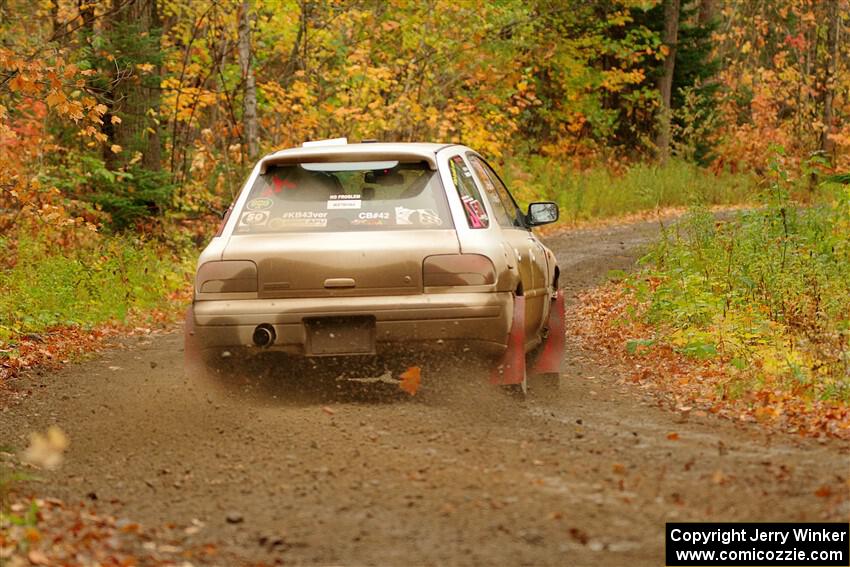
(604, 321)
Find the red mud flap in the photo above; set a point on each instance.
(551, 357)
(511, 367)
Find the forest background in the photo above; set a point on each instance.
(128, 126)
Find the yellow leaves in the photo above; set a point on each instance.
(115, 149)
(92, 132)
(410, 380)
(145, 68)
(55, 98)
(115, 119)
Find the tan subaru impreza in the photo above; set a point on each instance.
(353, 250)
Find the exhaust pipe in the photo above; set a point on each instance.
(264, 335)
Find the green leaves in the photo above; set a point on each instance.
(92, 283)
(633, 345)
(769, 290)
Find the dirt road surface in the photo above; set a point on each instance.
(460, 474)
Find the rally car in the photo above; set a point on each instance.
(352, 250)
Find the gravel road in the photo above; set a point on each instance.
(460, 474)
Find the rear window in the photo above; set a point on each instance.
(330, 197)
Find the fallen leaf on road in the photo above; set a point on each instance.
(46, 451)
(328, 410)
(37, 557)
(579, 535)
(823, 492)
(673, 436)
(410, 380)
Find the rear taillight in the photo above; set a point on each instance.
(230, 276)
(458, 269)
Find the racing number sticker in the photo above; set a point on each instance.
(254, 218)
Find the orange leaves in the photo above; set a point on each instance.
(56, 98)
(823, 492)
(50, 349)
(78, 534)
(410, 380)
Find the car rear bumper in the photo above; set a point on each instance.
(432, 321)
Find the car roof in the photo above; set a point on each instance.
(342, 152)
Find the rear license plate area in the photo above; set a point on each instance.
(329, 336)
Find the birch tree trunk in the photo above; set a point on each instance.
(249, 94)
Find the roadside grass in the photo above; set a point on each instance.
(66, 287)
(600, 193)
(755, 311)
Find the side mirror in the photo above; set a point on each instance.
(544, 212)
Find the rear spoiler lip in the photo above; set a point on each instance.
(341, 154)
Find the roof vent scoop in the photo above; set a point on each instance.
(328, 142)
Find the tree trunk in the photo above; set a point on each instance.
(54, 18)
(707, 11)
(86, 10)
(665, 82)
(826, 144)
(136, 93)
(249, 93)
